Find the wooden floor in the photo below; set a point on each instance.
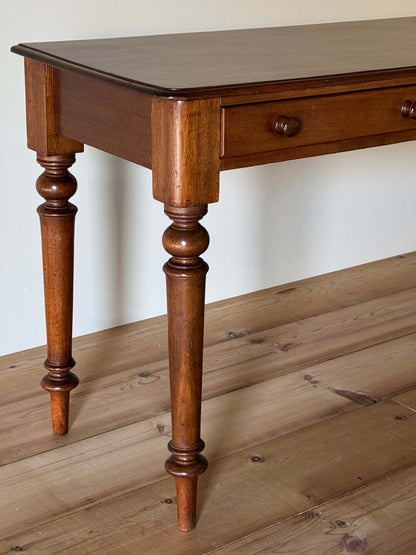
(309, 417)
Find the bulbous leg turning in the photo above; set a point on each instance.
(57, 216)
(185, 273)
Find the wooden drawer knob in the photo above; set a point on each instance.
(287, 126)
(409, 109)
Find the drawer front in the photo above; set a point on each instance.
(285, 124)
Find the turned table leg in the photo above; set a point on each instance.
(185, 273)
(56, 185)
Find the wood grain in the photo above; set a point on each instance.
(318, 149)
(235, 364)
(186, 240)
(57, 219)
(376, 519)
(40, 113)
(247, 60)
(89, 111)
(303, 438)
(242, 339)
(408, 399)
(249, 129)
(294, 473)
(185, 147)
(266, 410)
(230, 318)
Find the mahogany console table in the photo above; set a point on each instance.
(188, 106)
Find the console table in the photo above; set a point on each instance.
(188, 106)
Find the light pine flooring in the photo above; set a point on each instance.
(309, 416)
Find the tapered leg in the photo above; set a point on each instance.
(185, 273)
(56, 185)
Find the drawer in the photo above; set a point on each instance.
(284, 124)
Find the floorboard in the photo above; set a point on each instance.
(379, 519)
(141, 392)
(316, 380)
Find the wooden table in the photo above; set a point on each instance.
(188, 106)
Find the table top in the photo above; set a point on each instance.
(214, 61)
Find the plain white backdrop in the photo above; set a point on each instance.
(274, 224)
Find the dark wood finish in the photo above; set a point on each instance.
(409, 109)
(251, 128)
(185, 146)
(288, 126)
(56, 185)
(113, 118)
(227, 62)
(188, 106)
(40, 113)
(306, 151)
(185, 273)
(304, 88)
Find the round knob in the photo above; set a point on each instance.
(409, 109)
(287, 126)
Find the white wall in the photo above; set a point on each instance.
(274, 224)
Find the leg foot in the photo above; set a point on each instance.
(186, 502)
(59, 394)
(186, 465)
